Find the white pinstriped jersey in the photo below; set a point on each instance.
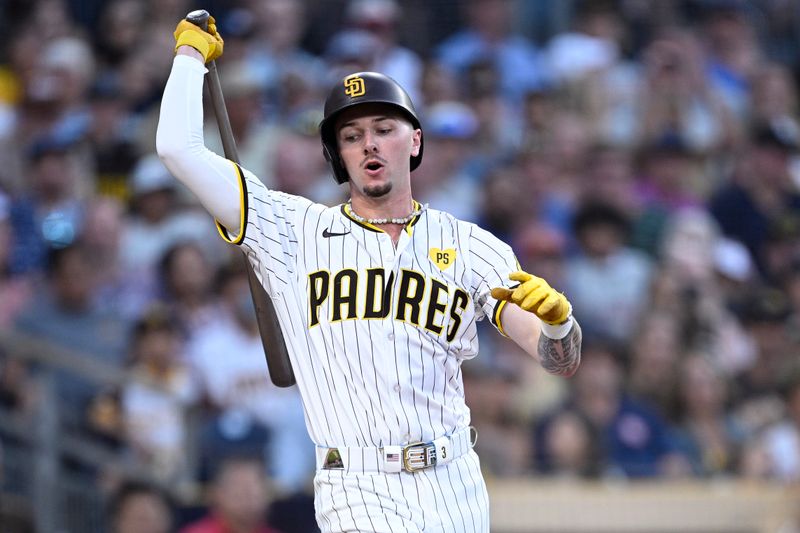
(376, 334)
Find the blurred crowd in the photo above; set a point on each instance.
(641, 155)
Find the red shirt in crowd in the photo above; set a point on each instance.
(214, 524)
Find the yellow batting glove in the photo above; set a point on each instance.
(208, 43)
(535, 295)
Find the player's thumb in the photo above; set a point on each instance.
(501, 293)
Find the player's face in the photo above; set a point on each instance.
(376, 144)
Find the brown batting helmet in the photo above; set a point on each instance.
(353, 90)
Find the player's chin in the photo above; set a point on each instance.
(377, 190)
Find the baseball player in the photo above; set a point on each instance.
(378, 300)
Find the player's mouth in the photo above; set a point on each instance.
(373, 167)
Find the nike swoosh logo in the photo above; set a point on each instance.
(327, 234)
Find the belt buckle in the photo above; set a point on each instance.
(418, 456)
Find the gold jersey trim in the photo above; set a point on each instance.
(242, 208)
(498, 309)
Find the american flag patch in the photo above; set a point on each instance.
(392, 457)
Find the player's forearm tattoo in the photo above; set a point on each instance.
(561, 357)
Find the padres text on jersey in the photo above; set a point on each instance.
(376, 333)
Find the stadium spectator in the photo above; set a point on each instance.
(238, 499)
(155, 402)
(139, 507)
(569, 447)
(489, 37)
(117, 289)
(15, 289)
(186, 281)
(275, 53)
(158, 223)
(709, 436)
(227, 357)
(452, 175)
(63, 312)
(604, 260)
(50, 212)
(760, 192)
(502, 441)
(380, 18)
(633, 440)
(782, 441)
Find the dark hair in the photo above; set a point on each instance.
(131, 488)
(596, 213)
(156, 318)
(168, 259)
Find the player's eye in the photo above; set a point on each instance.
(384, 131)
(350, 137)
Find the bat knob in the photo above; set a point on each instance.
(199, 17)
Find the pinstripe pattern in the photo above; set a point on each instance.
(388, 380)
(376, 332)
(448, 498)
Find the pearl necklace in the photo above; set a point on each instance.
(377, 221)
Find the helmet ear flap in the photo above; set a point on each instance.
(332, 157)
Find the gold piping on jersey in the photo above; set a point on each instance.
(346, 212)
(499, 308)
(496, 317)
(417, 206)
(243, 211)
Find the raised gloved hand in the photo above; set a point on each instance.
(535, 295)
(208, 43)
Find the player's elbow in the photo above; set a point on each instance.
(563, 370)
(167, 148)
(572, 370)
(175, 155)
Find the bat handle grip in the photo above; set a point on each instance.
(199, 17)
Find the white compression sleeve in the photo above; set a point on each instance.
(179, 142)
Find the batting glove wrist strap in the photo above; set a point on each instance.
(195, 40)
(557, 332)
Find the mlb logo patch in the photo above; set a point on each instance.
(333, 460)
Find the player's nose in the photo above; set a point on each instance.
(370, 146)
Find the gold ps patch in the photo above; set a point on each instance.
(354, 86)
(443, 259)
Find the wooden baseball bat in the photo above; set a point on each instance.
(280, 368)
